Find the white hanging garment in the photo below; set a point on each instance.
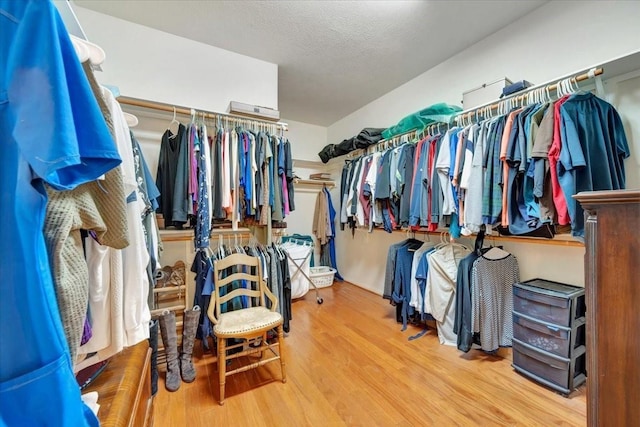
(441, 288)
(299, 261)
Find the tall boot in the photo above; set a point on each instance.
(153, 345)
(170, 341)
(189, 329)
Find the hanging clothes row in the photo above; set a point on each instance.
(374, 190)
(420, 281)
(208, 173)
(516, 172)
(468, 294)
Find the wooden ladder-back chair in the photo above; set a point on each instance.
(250, 323)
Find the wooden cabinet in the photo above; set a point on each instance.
(124, 389)
(612, 275)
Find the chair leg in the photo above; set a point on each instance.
(222, 367)
(281, 351)
(264, 342)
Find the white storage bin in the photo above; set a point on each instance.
(322, 276)
(488, 92)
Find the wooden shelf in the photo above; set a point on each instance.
(317, 182)
(176, 235)
(169, 289)
(557, 240)
(171, 308)
(186, 235)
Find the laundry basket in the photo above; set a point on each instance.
(322, 276)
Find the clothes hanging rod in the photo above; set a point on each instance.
(393, 140)
(519, 96)
(160, 106)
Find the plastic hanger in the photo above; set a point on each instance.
(495, 252)
(559, 93)
(174, 121)
(132, 121)
(567, 85)
(90, 51)
(81, 49)
(570, 86)
(573, 81)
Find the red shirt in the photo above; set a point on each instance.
(559, 200)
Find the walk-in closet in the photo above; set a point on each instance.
(319, 213)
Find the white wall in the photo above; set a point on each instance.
(557, 39)
(151, 64)
(306, 141)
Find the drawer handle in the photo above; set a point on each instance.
(553, 328)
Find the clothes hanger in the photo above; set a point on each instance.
(173, 121)
(82, 50)
(132, 121)
(568, 87)
(574, 81)
(443, 241)
(495, 253)
(88, 51)
(559, 93)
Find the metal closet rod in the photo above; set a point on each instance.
(159, 106)
(521, 96)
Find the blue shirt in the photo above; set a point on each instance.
(415, 213)
(421, 277)
(51, 131)
(454, 228)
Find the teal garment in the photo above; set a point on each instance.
(437, 113)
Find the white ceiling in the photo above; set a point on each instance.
(333, 56)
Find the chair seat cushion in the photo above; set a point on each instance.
(247, 320)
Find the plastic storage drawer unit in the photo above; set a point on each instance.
(555, 339)
(559, 373)
(549, 301)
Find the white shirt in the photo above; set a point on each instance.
(441, 288)
(443, 163)
(226, 171)
(474, 187)
(371, 179)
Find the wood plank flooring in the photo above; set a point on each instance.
(348, 363)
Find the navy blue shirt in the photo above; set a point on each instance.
(594, 146)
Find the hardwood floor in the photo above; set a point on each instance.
(348, 363)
